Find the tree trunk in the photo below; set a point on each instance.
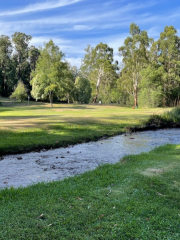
(97, 88)
(164, 101)
(95, 99)
(51, 99)
(135, 97)
(97, 93)
(19, 70)
(4, 79)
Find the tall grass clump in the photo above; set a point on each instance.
(167, 119)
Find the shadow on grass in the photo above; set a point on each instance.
(30, 108)
(60, 135)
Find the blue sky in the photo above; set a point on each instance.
(73, 24)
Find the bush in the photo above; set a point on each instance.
(20, 93)
(170, 118)
(82, 90)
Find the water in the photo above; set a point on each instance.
(26, 169)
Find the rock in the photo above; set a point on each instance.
(19, 158)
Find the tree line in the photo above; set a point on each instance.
(148, 75)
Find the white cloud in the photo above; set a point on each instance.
(39, 41)
(154, 32)
(82, 27)
(40, 7)
(74, 61)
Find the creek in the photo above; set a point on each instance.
(57, 164)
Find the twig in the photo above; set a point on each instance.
(108, 192)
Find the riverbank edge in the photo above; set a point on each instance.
(42, 147)
(151, 127)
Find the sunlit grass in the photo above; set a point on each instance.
(26, 128)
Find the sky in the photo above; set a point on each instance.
(74, 24)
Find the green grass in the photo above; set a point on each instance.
(137, 198)
(25, 128)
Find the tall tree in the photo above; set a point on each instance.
(135, 58)
(33, 57)
(50, 75)
(169, 61)
(5, 55)
(21, 43)
(97, 65)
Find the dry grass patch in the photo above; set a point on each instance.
(152, 171)
(157, 171)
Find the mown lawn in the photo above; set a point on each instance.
(137, 198)
(24, 128)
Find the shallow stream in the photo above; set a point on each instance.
(25, 169)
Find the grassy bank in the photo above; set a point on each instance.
(137, 198)
(24, 128)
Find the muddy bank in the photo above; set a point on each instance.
(151, 128)
(26, 169)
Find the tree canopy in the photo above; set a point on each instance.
(51, 73)
(149, 73)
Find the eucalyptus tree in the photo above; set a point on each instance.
(21, 44)
(135, 58)
(5, 58)
(97, 66)
(169, 63)
(33, 54)
(51, 73)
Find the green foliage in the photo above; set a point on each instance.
(5, 54)
(51, 73)
(151, 93)
(20, 92)
(21, 42)
(33, 54)
(165, 54)
(82, 90)
(98, 67)
(149, 74)
(167, 119)
(134, 53)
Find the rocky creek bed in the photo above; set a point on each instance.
(57, 164)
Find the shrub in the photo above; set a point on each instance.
(82, 90)
(166, 119)
(20, 92)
